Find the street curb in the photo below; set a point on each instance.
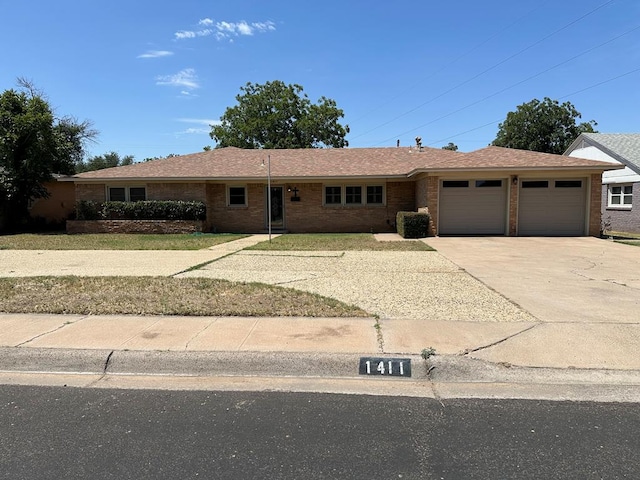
(259, 364)
(439, 369)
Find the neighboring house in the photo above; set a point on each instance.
(621, 192)
(492, 191)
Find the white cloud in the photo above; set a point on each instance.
(194, 131)
(226, 30)
(155, 54)
(186, 78)
(199, 121)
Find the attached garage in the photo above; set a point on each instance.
(473, 207)
(554, 207)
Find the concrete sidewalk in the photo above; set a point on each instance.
(124, 263)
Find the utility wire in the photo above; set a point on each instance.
(515, 84)
(595, 85)
(452, 62)
(555, 32)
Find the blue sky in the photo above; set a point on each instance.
(152, 75)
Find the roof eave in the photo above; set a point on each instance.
(235, 179)
(516, 169)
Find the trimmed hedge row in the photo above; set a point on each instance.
(145, 210)
(412, 224)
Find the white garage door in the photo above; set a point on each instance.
(472, 207)
(555, 207)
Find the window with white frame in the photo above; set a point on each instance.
(620, 196)
(333, 195)
(237, 196)
(126, 194)
(353, 195)
(375, 195)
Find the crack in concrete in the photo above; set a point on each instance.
(315, 277)
(60, 327)
(199, 266)
(379, 336)
(186, 347)
(497, 342)
(106, 363)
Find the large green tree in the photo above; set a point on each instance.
(275, 115)
(34, 145)
(542, 126)
(107, 160)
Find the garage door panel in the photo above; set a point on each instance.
(557, 209)
(474, 209)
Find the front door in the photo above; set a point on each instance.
(277, 207)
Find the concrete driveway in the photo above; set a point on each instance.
(581, 279)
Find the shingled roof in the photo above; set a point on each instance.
(624, 147)
(234, 163)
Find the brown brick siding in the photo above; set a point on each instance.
(134, 226)
(191, 192)
(90, 192)
(513, 206)
(309, 214)
(433, 184)
(222, 218)
(595, 212)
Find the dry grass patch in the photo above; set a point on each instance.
(113, 241)
(163, 296)
(338, 242)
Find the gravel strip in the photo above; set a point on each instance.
(416, 285)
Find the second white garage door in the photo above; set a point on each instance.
(472, 207)
(552, 207)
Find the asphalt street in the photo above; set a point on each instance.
(99, 433)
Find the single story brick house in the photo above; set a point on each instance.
(621, 188)
(491, 191)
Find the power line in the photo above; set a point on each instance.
(595, 85)
(487, 70)
(515, 84)
(455, 60)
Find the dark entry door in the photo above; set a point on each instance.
(277, 207)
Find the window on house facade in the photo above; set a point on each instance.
(455, 183)
(126, 194)
(333, 195)
(237, 196)
(353, 195)
(375, 195)
(535, 184)
(620, 196)
(488, 183)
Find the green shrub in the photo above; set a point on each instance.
(146, 210)
(412, 224)
(87, 210)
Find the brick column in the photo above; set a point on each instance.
(595, 205)
(433, 184)
(513, 206)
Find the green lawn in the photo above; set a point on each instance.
(113, 241)
(626, 238)
(337, 242)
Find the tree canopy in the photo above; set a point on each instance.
(275, 115)
(542, 126)
(34, 145)
(450, 146)
(107, 160)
